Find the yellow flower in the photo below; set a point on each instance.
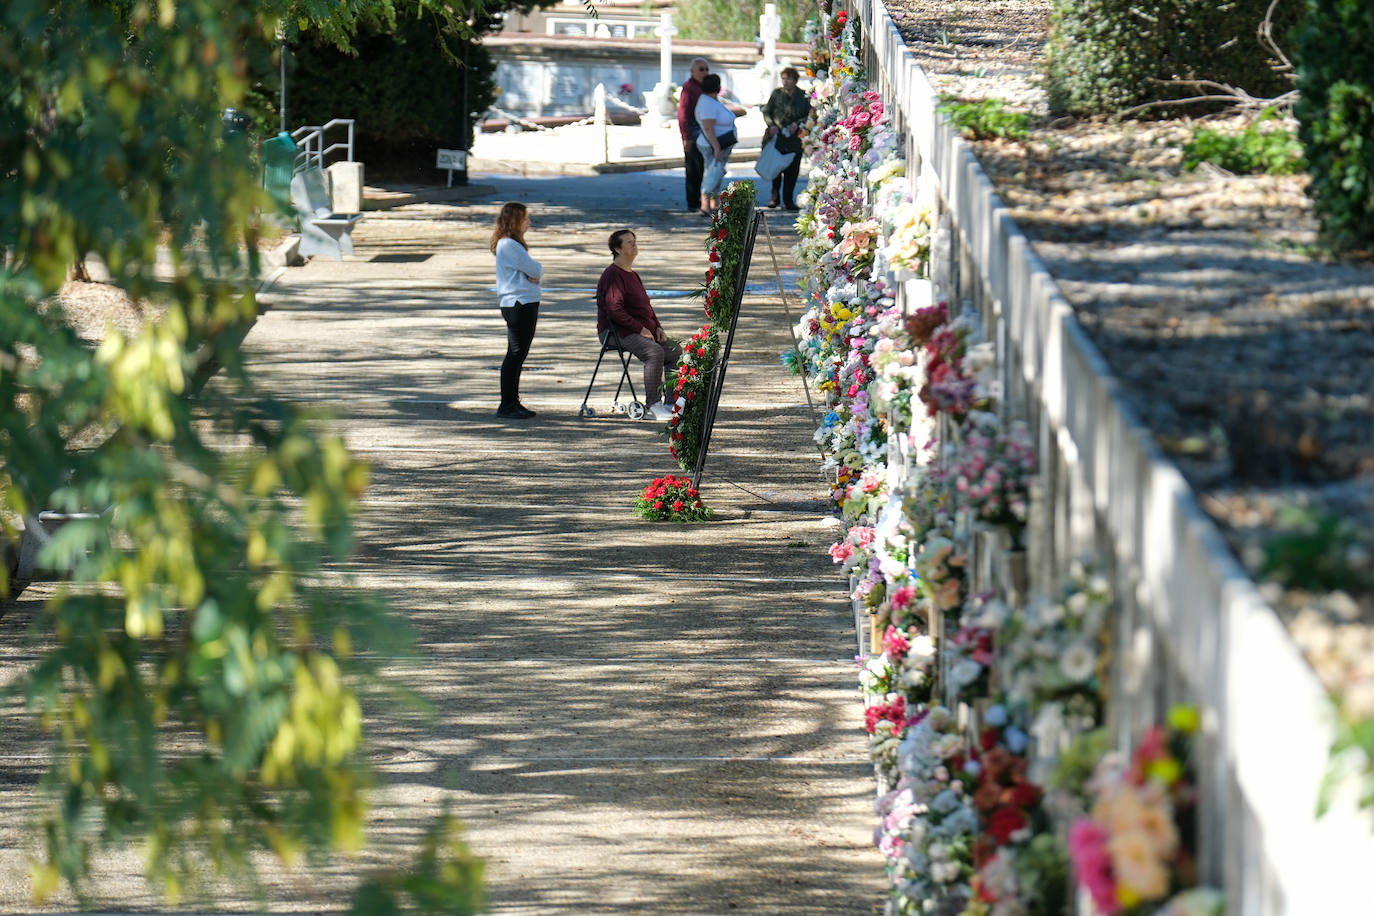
(1185, 719)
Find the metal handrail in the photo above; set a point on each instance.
(310, 143)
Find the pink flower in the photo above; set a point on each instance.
(1092, 864)
(841, 552)
(895, 643)
(902, 597)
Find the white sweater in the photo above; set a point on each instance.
(517, 274)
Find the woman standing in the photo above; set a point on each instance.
(716, 140)
(517, 283)
(622, 302)
(787, 108)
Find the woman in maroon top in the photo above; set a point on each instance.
(622, 301)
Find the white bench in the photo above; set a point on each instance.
(323, 232)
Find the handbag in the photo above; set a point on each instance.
(771, 162)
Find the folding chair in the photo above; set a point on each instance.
(634, 409)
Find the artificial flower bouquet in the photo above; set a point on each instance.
(1021, 869)
(908, 245)
(672, 499)
(912, 656)
(992, 471)
(940, 568)
(1054, 654)
(1134, 850)
(939, 771)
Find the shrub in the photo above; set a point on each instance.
(1110, 55)
(985, 119)
(1262, 147)
(1336, 117)
(404, 88)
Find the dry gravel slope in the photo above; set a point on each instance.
(1249, 356)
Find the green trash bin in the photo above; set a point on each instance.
(278, 165)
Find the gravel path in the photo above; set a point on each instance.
(1249, 355)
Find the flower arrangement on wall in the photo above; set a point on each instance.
(970, 690)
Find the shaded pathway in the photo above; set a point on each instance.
(628, 717)
(631, 717)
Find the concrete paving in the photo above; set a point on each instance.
(628, 717)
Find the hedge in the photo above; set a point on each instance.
(1107, 56)
(1335, 110)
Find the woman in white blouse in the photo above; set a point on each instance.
(517, 283)
(717, 139)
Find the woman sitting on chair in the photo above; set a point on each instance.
(622, 303)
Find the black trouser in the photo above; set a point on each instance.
(520, 321)
(695, 165)
(787, 181)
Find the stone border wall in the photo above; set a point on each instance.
(1193, 625)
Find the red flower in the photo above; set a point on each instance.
(1025, 795)
(658, 504)
(678, 505)
(1005, 821)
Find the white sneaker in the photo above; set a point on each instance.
(661, 412)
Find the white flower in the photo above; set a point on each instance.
(1078, 603)
(944, 872)
(1077, 662)
(922, 650)
(966, 672)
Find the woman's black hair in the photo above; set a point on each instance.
(618, 239)
(710, 83)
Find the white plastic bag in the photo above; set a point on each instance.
(771, 162)
(714, 177)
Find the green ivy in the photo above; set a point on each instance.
(1335, 113)
(1263, 147)
(1316, 551)
(985, 119)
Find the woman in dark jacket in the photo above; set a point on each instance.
(785, 112)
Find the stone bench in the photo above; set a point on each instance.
(323, 232)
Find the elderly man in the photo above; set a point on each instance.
(687, 125)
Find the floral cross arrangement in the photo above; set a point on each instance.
(725, 251)
(672, 499)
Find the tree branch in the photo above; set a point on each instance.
(1266, 35)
